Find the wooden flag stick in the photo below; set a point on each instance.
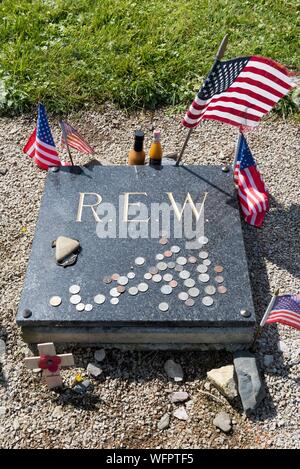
(66, 140)
(265, 317)
(220, 54)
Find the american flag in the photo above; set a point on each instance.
(40, 145)
(239, 92)
(74, 139)
(251, 189)
(286, 310)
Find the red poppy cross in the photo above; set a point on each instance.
(50, 363)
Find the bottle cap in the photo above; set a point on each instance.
(156, 135)
(139, 135)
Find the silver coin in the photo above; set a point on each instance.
(159, 257)
(130, 275)
(219, 279)
(202, 268)
(189, 283)
(114, 292)
(99, 299)
(210, 290)
(184, 274)
(168, 277)
(163, 306)
(171, 264)
(74, 289)
(183, 296)
(122, 280)
(162, 266)
(189, 302)
(114, 301)
(203, 240)
(88, 307)
(139, 261)
(181, 260)
(207, 300)
(175, 249)
(153, 270)
(143, 287)
(206, 261)
(203, 278)
(75, 299)
(193, 292)
(166, 289)
(192, 260)
(133, 291)
(148, 276)
(203, 254)
(178, 268)
(80, 307)
(55, 300)
(156, 278)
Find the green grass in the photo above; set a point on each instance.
(136, 53)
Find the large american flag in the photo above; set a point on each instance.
(74, 139)
(286, 310)
(239, 92)
(251, 189)
(40, 145)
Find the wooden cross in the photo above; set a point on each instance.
(49, 359)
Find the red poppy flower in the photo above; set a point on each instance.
(49, 362)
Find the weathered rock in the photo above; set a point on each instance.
(282, 347)
(268, 360)
(251, 389)
(178, 396)
(173, 370)
(180, 413)
(207, 386)
(65, 247)
(223, 421)
(94, 370)
(3, 171)
(99, 355)
(2, 349)
(223, 379)
(164, 422)
(2, 411)
(58, 412)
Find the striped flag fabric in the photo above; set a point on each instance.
(286, 310)
(239, 92)
(251, 190)
(74, 139)
(40, 145)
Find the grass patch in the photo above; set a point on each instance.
(136, 53)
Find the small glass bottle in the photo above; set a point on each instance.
(136, 156)
(155, 152)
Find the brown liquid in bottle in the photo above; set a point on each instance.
(137, 155)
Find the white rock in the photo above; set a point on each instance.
(99, 355)
(179, 396)
(180, 413)
(2, 349)
(2, 411)
(16, 424)
(222, 421)
(282, 347)
(58, 412)
(173, 370)
(94, 370)
(223, 379)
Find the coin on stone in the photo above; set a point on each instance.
(130, 275)
(175, 249)
(133, 291)
(171, 264)
(203, 240)
(168, 254)
(114, 301)
(143, 287)
(189, 302)
(222, 289)
(168, 277)
(193, 292)
(163, 306)
(202, 268)
(99, 299)
(159, 257)
(203, 278)
(107, 279)
(75, 299)
(156, 278)
(55, 300)
(80, 307)
(206, 261)
(139, 261)
(163, 241)
(203, 254)
(178, 268)
(148, 276)
(183, 296)
(153, 270)
(161, 266)
(210, 290)
(192, 260)
(173, 283)
(181, 260)
(184, 274)
(88, 307)
(114, 292)
(115, 276)
(74, 289)
(218, 269)
(166, 289)
(122, 280)
(207, 300)
(120, 288)
(189, 283)
(219, 279)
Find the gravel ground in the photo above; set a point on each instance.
(124, 407)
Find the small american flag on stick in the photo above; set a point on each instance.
(239, 92)
(73, 139)
(286, 310)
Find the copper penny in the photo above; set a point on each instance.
(218, 269)
(153, 270)
(163, 241)
(222, 289)
(168, 254)
(115, 276)
(107, 279)
(121, 288)
(173, 283)
(192, 260)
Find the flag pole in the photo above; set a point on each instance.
(219, 56)
(66, 140)
(238, 142)
(265, 317)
